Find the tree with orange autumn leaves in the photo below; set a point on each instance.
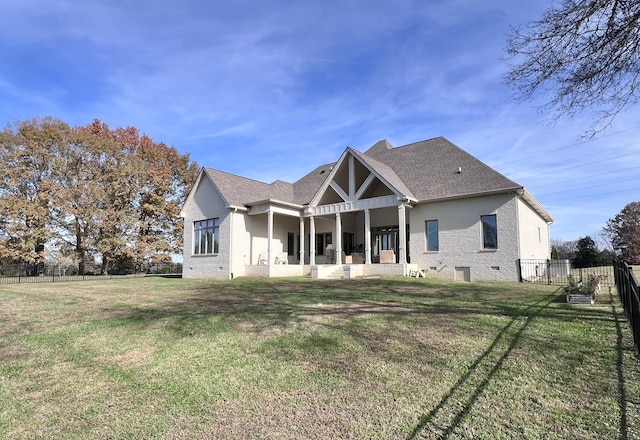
(111, 193)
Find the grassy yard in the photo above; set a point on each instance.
(387, 358)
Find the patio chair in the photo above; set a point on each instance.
(387, 256)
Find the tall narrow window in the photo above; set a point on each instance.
(291, 251)
(348, 242)
(433, 243)
(489, 231)
(205, 236)
(322, 241)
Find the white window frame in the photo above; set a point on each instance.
(428, 244)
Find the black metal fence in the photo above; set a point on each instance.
(14, 273)
(629, 291)
(558, 271)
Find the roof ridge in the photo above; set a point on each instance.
(425, 140)
(244, 177)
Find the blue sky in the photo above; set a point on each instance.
(271, 89)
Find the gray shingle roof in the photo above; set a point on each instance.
(426, 170)
(430, 169)
(305, 188)
(239, 191)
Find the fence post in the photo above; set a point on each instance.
(629, 292)
(549, 271)
(580, 272)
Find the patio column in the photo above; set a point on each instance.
(312, 241)
(338, 239)
(269, 237)
(402, 234)
(301, 250)
(367, 236)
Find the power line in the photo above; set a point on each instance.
(591, 176)
(596, 153)
(565, 147)
(597, 194)
(581, 165)
(585, 187)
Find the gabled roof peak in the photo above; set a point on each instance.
(380, 146)
(437, 138)
(279, 182)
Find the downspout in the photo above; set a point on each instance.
(517, 200)
(519, 256)
(235, 209)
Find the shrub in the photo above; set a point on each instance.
(590, 286)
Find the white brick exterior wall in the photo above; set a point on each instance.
(206, 204)
(248, 233)
(522, 233)
(534, 234)
(460, 238)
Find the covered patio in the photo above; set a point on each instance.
(337, 240)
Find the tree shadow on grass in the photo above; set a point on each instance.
(448, 413)
(628, 390)
(265, 304)
(452, 409)
(255, 306)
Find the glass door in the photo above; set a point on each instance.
(383, 239)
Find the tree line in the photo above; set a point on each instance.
(619, 238)
(89, 193)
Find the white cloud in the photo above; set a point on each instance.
(271, 89)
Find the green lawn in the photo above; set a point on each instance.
(387, 358)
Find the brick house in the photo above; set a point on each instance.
(428, 206)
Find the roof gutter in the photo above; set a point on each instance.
(408, 199)
(478, 194)
(275, 202)
(527, 197)
(236, 208)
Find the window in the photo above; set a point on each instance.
(322, 241)
(431, 228)
(205, 236)
(385, 238)
(489, 231)
(291, 237)
(348, 242)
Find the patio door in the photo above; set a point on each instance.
(383, 239)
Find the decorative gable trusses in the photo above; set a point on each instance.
(358, 182)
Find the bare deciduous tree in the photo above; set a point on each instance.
(583, 54)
